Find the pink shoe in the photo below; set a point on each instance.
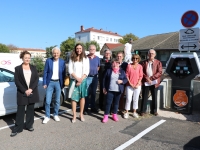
(105, 119)
(115, 118)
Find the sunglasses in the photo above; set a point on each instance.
(135, 58)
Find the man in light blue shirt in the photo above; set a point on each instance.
(92, 80)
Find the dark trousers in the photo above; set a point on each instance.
(19, 122)
(112, 97)
(122, 100)
(145, 93)
(92, 83)
(101, 95)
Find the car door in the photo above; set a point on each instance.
(8, 92)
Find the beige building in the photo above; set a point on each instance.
(99, 35)
(34, 52)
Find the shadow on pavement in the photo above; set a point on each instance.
(193, 144)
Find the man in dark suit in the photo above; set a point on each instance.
(53, 80)
(123, 65)
(152, 71)
(105, 64)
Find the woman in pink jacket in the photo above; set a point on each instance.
(134, 73)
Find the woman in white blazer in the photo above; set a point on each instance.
(78, 70)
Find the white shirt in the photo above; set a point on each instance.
(128, 48)
(27, 76)
(150, 68)
(55, 75)
(79, 68)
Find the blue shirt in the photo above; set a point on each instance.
(94, 64)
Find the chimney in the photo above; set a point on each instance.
(101, 29)
(82, 28)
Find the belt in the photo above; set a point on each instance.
(54, 80)
(93, 75)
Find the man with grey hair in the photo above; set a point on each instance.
(53, 79)
(92, 80)
(105, 64)
(152, 71)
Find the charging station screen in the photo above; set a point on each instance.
(178, 68)
(182, 63)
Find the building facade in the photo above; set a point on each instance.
(100, 36)
(164, 44)
(34, 52)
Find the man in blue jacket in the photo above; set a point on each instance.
(53, 80)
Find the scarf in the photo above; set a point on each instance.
(115, 70)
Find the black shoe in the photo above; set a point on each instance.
(85, 112)
(94, 110)
(13, 134)
(31, 129)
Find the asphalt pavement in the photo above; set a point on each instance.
(141, 133)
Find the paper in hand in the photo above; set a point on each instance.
(152, 83)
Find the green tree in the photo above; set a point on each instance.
(4, 48)
(126, 38)
(87, 44)
(49, 51)
(67, 46)
(37, 61)
(11, 47)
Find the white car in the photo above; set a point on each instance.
(8, 93)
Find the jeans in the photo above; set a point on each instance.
(53, 86)
(92, 83)
(112, 97)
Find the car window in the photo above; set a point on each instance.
(6, 75)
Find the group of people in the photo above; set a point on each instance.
(116, 78)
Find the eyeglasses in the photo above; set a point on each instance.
(116, 62)
(135, 58)
(107, 53)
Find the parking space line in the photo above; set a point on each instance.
(141, 134)
(61, 112)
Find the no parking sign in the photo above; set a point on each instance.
(189, 18)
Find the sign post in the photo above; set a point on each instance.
(189, 38)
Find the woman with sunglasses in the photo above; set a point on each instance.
(134, 74)
(113, 86)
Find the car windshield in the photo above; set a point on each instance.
(6, 75)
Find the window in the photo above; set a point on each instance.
(107, 39)
(93, 37)
(98, 37)
(6, 76)
(79, 38)
(110, 39)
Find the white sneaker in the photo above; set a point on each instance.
(126, 115)
(46, 119)
(56, 118)
(135, 115)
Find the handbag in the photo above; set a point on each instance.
(66, 81)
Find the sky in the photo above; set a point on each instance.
(44, 23)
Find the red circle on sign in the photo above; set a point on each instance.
(189, 19)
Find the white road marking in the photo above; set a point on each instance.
(61, 112)
(141, 134)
